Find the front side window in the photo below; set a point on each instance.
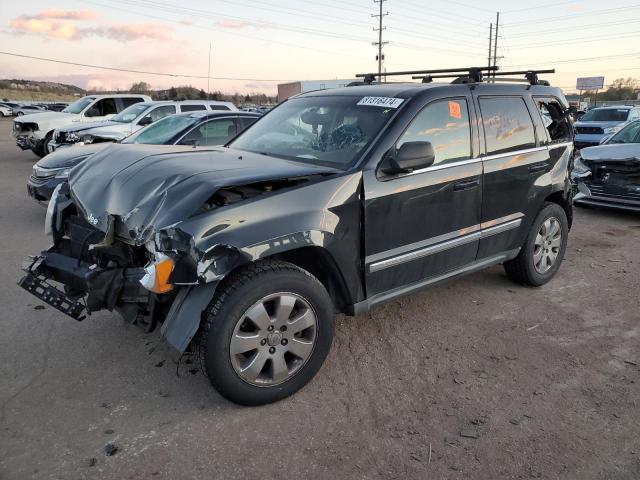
(128, 115)
(507, 124)
(161, 112)
(606, 115)
(444, 123)
(163, 131)
(79, 105)
(106, 106)
(629, 134)
(128, 101)
(332, 130)
(219, 107)
(554, 120)
(213, 132)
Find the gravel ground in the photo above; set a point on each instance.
(477, 379)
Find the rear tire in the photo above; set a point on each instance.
(266, 333)
(543, 250)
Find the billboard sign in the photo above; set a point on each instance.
(590, 83)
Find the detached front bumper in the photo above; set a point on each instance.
(87, 288)
(609, 196)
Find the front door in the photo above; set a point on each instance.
(425, 223)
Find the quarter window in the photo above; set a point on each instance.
(507, 124)
(191, 108)
(554, 120)
(444, 123)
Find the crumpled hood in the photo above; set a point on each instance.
(86, 125)
(614, 152)
(69, 157)
(148, 187)
(112, 130)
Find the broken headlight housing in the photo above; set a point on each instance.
(580, 169)
(157, 273)
(72, 137)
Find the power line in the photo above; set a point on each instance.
(161, 74)
(589, 26)
(576, 40)
(576, 15)
(579, 60)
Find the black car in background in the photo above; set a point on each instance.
(335, 201)
(192, 129)
(609, 175)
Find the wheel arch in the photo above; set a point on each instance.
(560, 198)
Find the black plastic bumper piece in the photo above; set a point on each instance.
(49, 294)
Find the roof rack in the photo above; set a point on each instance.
(473, 75)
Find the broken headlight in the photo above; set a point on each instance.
(49, 227)
(157, 273)
(72, 137)
(580, 170)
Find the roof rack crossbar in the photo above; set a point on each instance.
(427, 72)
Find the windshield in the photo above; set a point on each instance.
(606, 115)
(629, 134)
(162, 131)
(79, 105)
(129, 114)
(327, 130)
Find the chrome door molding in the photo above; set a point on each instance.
(391, 258)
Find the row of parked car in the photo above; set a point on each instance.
(9, 109)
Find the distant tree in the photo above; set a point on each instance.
(247, 99)
(173, 93)
(202, 95)
(140, 87)
(619, 89)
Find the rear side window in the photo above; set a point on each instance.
(219, 107)
(245, 122)
(128, 101)
(507, 124)
(161, 112)
(444, 123)
(191, 108)
(554, 120)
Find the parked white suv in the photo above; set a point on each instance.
(128, 121)
(35, 131)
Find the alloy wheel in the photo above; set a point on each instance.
(273, 339)
(547, 245)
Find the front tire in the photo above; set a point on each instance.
(543, 250)
(266, 333)
(42, 148)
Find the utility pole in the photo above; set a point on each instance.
(490, 45)
(380, 43)
(209, 71)
(495, 44)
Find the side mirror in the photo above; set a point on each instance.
(144, 121)
(409, 157)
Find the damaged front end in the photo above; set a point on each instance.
(97, 270)
(149, 231)
(608, 180)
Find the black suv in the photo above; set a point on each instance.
(334, 202)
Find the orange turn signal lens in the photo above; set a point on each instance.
(156, 278)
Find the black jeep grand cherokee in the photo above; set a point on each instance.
(334, 202)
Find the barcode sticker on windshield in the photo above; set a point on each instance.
(386, 102)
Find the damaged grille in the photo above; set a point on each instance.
(590, 130)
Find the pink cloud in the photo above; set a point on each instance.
(68, 14)
(63, 24)
(235, 25)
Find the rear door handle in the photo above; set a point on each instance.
(538, 167)
(466, 184)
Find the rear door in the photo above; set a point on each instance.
(516, 166)
(422, 224)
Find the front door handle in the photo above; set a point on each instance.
(466, 184)
(538, 167)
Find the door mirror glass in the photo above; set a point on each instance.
(409, 157)
(144, 121)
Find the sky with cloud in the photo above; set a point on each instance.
(257, 43)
